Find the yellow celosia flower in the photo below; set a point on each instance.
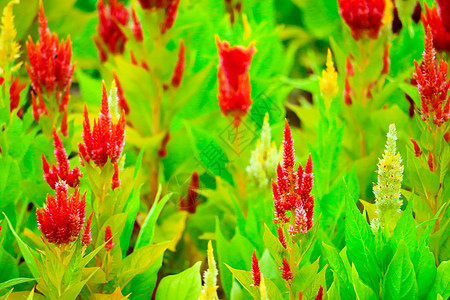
(209, 291)
(328, 82)
(264, 159)
(9, 48)
(390, 176)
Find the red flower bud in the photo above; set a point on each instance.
(171, 8)
(86, 239)
(108, 239)
(386, 61)
(115, 179)
(123, 104)
(417, 12)
(417, 151)
(349, 70)
(256, 273)
(430, 162)
(190, 205)
(162, 152)
(347, 92)
(286, 273)
(447, 136)
(136, 27)
(14, 93)
(281, 237)
(179, 68)
(319, 294)
(396, 22)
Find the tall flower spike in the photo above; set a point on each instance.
(264, 159)
(49, 68)
(108, 239)
(179, 67)
(62, 218)
(364, 17)
(106, 139)
(123, 104)
(433, 85)
(390, 176)
(286, 272)
(441, 34)
(417, 151)
(62, 171)
(234, 79)
(209, 289)
(190, 205)
(256, 273)
(328, 82)
(86, 239)
(9, 48)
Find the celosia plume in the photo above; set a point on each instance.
(62, 171)
(430, 162)
(106, 139)
(62, 219)
(190, 204)
(136, 27)
(256, 273)
(179, 67)
(286, 272)
(108, 239)
(364, 17)
(209, 289)
(319, 294)
(328, 82)
(86, 239)
(234, 79)
(14, 93)
(417, 151)
(9, 48)
(282, 237)
(433, 85)
(123, 104)
(441, 35)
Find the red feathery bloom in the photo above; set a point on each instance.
(432, 84)
(447, 136)
(286, 273)
(14, 93)
(110, 34)
(86, 239)
(444, 12)
(234, 79)
(136, 27)
(441, 35)
(162, 151)
(319, 294)
(256, 273)
(49, 65)
(63, 217)
(108, 239)
(386, 61)
(115, 179)
(179, 67)
(417, 151)
(62, 172)
(106, 139)
(190, 205)
(348, 92)
(123, 104)
(292, 191)
(430, 162)
(281, 237)
(364, 17)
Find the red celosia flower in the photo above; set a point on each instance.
(397, 24)
(433, 85)
(319, 294)
(108, 28)
(136, 27)
(441, 35)
(281, 237)
(63, 217)
(179, 67)
(348, 92)
(191, 203)
(430, 162)
(444, 11)
(123, 104)
(386, 61)
(106, 139)
(234, 79)
(86, 239)
(115, 180)
(108, 239)
(162, 151)
(62, 172)
(417, 12)
(49, 65)
(292, 191)
(447, 136)
(171, 8)
(349, 70)
(364, 17)
(256, 273)
(417, 151)
(286, 273)
(14, 93)
(38, 108)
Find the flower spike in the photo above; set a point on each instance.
(256, 273)
(286, 273)
(86, 239)
(179, 68)
(108, 239)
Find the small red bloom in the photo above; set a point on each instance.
(63, 217)
(115, 180)
(349, 70)
(171, 8)
(49, 65)
(106, 139)
(386, 61)
(54, 174)
(347, 92)
(162, 152)
(123, 104)
(179, 67)
(256, 273)
(108, 239)
(14, 93)
(433, 85)
(136, 27)
(319, 294)
(430, 162)
(441, 35)
(234, 79)
(86, 239)
(110, 34)
(281, 237)
(417, 151)
(191, 203)
(364, 17)
(286, 270)
(447, 136)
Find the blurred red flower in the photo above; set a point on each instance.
(441, 35)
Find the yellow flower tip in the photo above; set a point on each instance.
(209, 290)
(9, 49)
(328, 82)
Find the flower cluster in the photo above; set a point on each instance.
(264, 160)
(63, 217)
(9, 48)
(328, 82)
(170, 8)
(292, 191)
(364, 17)
(190, 204)
(433, 85)
(390, 175)
(441, 33)
(107, 137)
(234, 79)
(62, 172)
(209, 289)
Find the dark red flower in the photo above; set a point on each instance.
(417, 151)
(256, 273)
(281, 237)
(110, 34)
(106, 140)
(396, 22)
(364, 17)
(348, 92)
(108, 239)
(49, 68)
(286, 272)
(417, 12)
(86, 239)
(441, 35)
(136, 27)
(162, 151)
(234, 79)
(432, 84)
(319, 294)
(115, 180)
(63, 217)
(179, 67)
(14, 93)
(444, 12)
(62, 172)
(190, 204)
(171, 8)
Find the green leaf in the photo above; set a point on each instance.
(442, 283)
(305, 276)
(406, 231)
(340, 272)
(185, 285)
(14, 281)
(400, 279)
(363, 292)
(274, 246)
